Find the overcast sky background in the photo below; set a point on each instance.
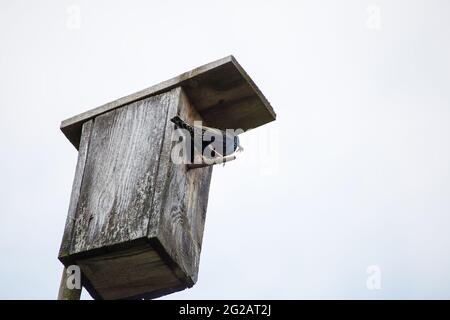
(354, 172)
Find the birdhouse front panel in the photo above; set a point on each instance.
(137, 226)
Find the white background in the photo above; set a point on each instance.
(354, 172)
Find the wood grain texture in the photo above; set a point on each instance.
(76, 188)
(182, 200)
(221, 91)
(118, 183)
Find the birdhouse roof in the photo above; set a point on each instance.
(221, 91)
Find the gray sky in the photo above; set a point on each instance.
(354, 172)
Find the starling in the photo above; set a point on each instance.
(229, 141)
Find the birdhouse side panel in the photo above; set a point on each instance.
(181, 198)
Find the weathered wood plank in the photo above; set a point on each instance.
(164, 165)
(182, 201)
(118, 183)
(220, 87)
(129, 273)
(76, 188)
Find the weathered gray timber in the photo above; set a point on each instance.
(136, 219)
(76, 187)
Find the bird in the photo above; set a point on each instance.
(229, 141)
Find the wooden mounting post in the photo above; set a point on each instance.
(64, 292)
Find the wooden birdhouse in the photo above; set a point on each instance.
(135, 220)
